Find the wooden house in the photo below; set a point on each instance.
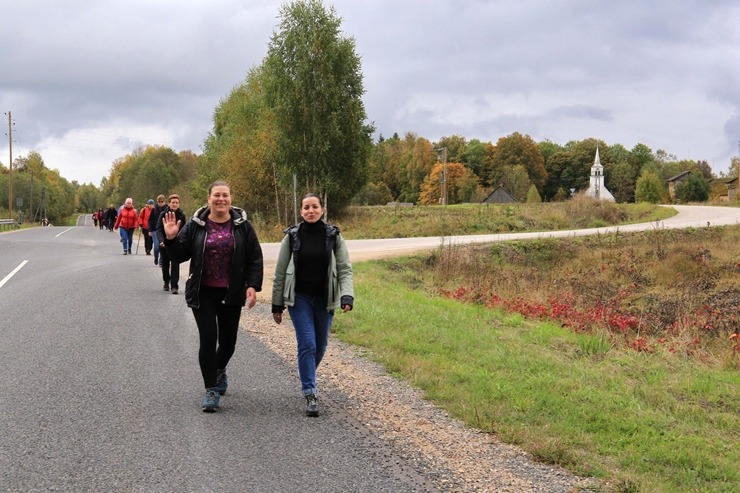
(673, 180)
(732, 189)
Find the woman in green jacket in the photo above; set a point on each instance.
(313, 277)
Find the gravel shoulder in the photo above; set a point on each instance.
(450, 455)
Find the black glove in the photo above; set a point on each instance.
(347, 300)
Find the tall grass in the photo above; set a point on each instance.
(658, 290)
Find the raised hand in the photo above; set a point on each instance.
(170, 224)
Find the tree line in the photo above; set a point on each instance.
(408, 169)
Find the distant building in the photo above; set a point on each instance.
(499, 196)
(732, 190)
(674, 180)
(596, 187)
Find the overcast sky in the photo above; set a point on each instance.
(89, 81)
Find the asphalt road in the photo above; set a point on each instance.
(100, 387)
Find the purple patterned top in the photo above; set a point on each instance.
(218, 252)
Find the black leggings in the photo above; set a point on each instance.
(217, 323)
(170, 269)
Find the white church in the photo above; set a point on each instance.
(596, 186)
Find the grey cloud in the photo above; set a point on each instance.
(581, 111)
(577, 68)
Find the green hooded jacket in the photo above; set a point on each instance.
(340, 287)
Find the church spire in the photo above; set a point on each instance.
(596, 186)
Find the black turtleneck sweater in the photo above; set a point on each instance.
(312, 262)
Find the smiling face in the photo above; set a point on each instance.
(220, 200)
(311, 210)
(174, 204)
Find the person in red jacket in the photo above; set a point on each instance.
(144, 224)
(127, 220)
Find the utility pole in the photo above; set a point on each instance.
(442, 154)
(30, 199)
(10, 167)
(444, 173)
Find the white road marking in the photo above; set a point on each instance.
(7, 278)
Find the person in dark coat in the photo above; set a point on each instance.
(170, 267)
(226, 270)
(153, 219)
(110, 217)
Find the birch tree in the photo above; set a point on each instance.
(313, 84)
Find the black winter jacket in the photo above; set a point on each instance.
(154, 217)
(246, 264)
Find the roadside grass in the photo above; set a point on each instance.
(655, 421)
(371, 222)
(467, 219)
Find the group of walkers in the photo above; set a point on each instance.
(105, 218)
(313, 278)
(126, 219)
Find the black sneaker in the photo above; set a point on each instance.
(125, 252)
(166, 287)
(312, 405)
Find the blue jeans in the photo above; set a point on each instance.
(155, 246)
(128, 238)
(311, 322)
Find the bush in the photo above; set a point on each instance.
(692, 189)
